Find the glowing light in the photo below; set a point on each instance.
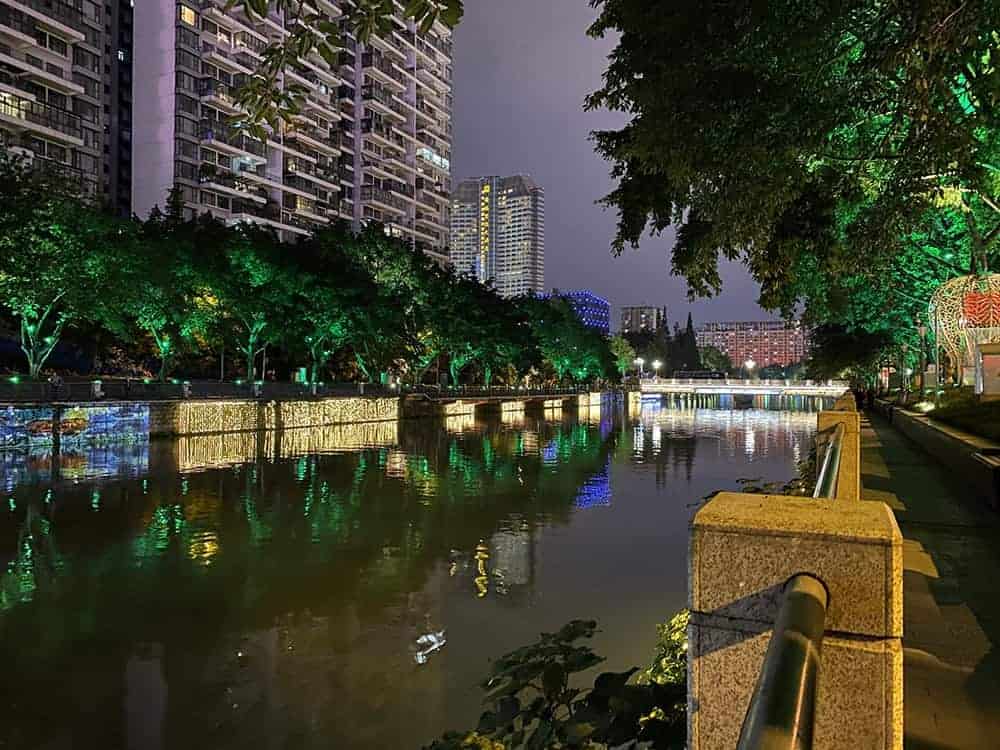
(966, 312)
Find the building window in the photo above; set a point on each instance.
(187, 15)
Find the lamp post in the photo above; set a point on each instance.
(922, 330)
(905, 384)
(657, 364)
(749, 365)
(639, 362)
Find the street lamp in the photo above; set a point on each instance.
(905, 384)
(749, 365)
(639, 362)
(657, 364)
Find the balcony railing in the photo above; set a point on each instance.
(371, 193)
(39, 113)
(219, 131)
(16, 21)
(68, 13)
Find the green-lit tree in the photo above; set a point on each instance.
(623, 353)
(784, 133)
(164, 285)
(60, 259)
(246, 283)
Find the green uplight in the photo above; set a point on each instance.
(14, 379)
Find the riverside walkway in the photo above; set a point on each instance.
(951, 594)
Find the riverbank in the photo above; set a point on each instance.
(28, 425)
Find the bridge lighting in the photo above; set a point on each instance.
(639, 362)
(749, 364)
(657, 364)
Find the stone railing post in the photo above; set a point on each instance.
(743, 548)
(849, 476)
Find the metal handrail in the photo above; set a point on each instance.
(782, 709)
(829, 464)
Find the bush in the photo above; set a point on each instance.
(533, 705)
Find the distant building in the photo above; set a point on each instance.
(642, 318)
(766, 342)
(593, 311)
(498, 233)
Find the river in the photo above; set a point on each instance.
(346, 588)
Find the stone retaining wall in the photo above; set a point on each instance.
(967, 456)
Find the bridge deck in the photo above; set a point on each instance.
(750, 387)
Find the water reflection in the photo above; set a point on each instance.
(345, 588)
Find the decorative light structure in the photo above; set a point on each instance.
(965, 312)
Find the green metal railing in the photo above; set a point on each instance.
(781, 712)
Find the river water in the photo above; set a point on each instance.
(346, 588)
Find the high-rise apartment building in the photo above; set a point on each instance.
(118, 106)
(52, 55)
(371, 143)
(764, 342)
(498, 233)
(637, 318)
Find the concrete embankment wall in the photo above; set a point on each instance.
(972, 458)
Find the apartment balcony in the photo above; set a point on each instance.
(232, 140)
(381, 69)
(432, 158)
(383, 199)
(16, 28)
(65, 18)
(377, 167)
(22, 114)
(32, 68)
(231, 183)
(400, 188)
(379, 131)
(228, 59)
(312, 139)
(219, 94)
(249, 43)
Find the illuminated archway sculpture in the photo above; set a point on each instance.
(965, 311)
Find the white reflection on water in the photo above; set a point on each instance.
(748, 433)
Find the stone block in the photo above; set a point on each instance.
(745, 547)
(849, 476)
(859, 701)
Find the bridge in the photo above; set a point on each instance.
(734, 387)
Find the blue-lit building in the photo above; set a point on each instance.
(594, 311)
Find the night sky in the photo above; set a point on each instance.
(522, 70)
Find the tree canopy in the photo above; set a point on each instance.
(801, 137)
(182, 288)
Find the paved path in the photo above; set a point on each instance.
(951, 594)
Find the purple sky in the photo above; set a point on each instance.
(522, 70)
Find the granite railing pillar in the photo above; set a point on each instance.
(743, 548)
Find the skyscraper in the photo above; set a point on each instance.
(51, 86)
(372, 142)
(498, 233)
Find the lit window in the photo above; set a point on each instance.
(187, 15)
